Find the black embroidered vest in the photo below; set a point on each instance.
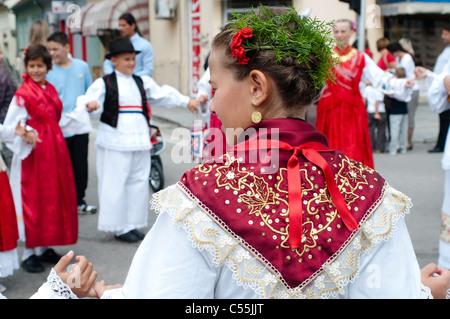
(110, 114)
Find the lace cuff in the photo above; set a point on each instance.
(54, 288)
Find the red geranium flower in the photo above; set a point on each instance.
(236, 45)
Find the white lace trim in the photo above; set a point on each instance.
(58, 287)
(251, 270)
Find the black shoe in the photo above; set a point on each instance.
(50, 256)
(127, 237)
(436, 150)
(138, 234)
(32, 264)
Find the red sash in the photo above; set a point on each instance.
(48, 187)
(311, 152)
(298, 217)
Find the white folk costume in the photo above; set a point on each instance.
(228, 228)
(123, 146)
(438, 102)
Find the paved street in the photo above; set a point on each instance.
(417, 173)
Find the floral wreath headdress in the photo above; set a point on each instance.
(267, 30)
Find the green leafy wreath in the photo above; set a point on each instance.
(266, 30)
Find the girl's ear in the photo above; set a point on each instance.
(260, 87)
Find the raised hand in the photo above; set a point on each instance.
(80, 278)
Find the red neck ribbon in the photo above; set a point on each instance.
(310, 151)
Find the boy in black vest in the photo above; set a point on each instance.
(123, 140)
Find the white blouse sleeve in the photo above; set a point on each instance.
(163, 96)
(437, 93)
(15, 115)
(7, 133)
(388, 264)
(379, 79)
(167, 266)
(204, 88)
(96, 92)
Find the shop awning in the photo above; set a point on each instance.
(393, 8)
(100, 18)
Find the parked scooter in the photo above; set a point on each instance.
(156, 178)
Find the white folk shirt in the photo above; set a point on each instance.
(437, 100)
(132, 131)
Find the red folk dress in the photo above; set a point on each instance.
(48, 187)
(341, 113)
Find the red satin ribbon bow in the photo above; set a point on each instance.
(311, 152)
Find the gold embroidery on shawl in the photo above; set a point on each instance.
(247, 265)
(262, 200)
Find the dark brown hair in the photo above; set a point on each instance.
(382, 43)
(36, 51)
(295, 86)
(400, 73)
(59, 37)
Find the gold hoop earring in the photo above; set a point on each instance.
(256, 117)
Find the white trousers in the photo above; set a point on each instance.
(399, 132)
(123, 189)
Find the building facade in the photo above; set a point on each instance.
(181, 31)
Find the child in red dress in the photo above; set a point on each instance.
(41, 179)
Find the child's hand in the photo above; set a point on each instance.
(20, 130)
(420, 72)
(100, 288)
(193, 106)
(437, 279)
(410, 83)
(203, 99)
(92, 106)
(31, 137)
(377, 116)
(81, 277)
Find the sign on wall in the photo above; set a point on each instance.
(194, 14)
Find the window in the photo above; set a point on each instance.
(244, 5)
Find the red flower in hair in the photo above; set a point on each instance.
(236, 45)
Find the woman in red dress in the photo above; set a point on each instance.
(341, 113)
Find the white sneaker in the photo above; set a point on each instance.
(84, 209)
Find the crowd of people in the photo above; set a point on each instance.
(312, 228)
(46, 124)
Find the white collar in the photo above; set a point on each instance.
(119, 74)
